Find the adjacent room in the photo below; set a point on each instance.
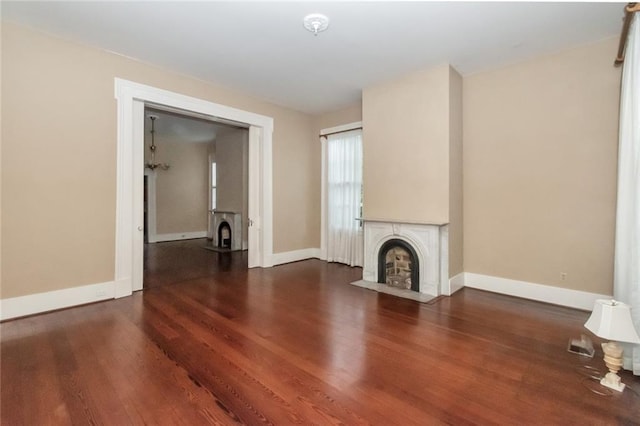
(319, 213)
(195, 193)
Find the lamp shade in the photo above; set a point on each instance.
(612, 320)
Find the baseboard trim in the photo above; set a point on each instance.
(295, 255)
(455, 283)
(122, 288)
(542, 293)
(21, 306)
(178, 236)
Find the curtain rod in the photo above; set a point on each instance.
(629, 9)
(341, 131)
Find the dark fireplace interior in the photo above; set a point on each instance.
(398, 265)
(224, 235)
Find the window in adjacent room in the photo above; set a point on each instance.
(213, 185)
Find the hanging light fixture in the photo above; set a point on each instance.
(152, 164)
(316, 23)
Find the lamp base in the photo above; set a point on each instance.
(612, 381)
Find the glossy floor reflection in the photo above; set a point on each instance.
(178, 261)
(211, 342)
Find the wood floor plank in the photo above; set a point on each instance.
(211, 342)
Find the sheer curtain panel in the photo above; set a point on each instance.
(344, 198)
(626, 285)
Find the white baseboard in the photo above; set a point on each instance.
(455, 284)
(122, 288)
(21, 306)
(295, 255)
(42, 302)
(177, 236)
(542, 293)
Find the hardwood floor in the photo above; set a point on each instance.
(210, 342)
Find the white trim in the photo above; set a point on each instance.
(455, 283)
(137, 183)
(323, 201)
(342, 128)
(444, 284)
(131, 98)
(295, 255)
(543, 293)
(178, 236)
(21, 306)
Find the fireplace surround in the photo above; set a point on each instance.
(427, 242)
(227, 230)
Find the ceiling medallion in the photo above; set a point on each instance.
(316, 23)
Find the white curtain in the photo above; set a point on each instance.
(626, 285)
(344, 198)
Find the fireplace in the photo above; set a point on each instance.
(398, 265)
(406, 259)
(227, 230)
(224, 235)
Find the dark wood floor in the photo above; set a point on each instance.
(210, 342)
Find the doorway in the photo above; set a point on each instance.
(131, 100)
(192, 167)
(195, 169)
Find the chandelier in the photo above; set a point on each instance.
(152, 163)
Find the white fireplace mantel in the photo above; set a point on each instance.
(402, 222)
(429, 240)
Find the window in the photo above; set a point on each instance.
(344, 197)
(213, 186)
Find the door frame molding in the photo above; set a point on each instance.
(131, 98)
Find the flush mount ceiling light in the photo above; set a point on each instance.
(316, 23)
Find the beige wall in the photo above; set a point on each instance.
(59, 160)
(346, 115)
(406, 151)
(295, 188)
(456, 230)
(182, 191)
(539, 162)
(540, 147)
(230, 170)
(232, 184)
(1, 185)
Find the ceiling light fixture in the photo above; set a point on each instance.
(316, 23)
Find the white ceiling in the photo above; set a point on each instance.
(262, 49)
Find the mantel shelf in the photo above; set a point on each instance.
(408, 222)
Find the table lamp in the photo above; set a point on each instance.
(611, 320)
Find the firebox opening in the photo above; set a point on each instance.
(398, 265)
(224, 235)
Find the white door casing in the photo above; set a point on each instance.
(138, 196)
(131, 98)
(254, 204)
